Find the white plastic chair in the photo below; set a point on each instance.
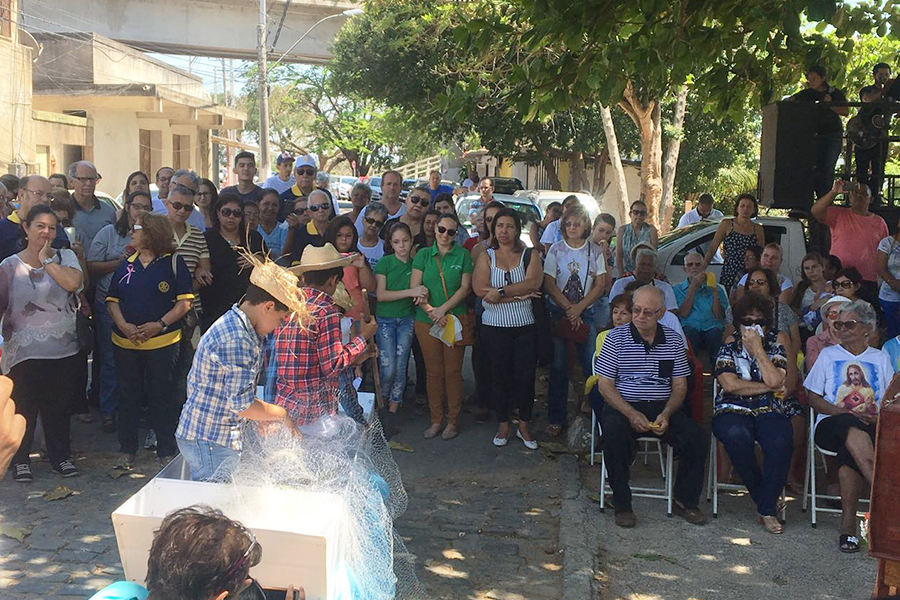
(712, 482)
(810, 495)
(597, 431)
(664, 493)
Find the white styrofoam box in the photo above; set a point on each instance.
(297, 530)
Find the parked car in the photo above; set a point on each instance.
(116, 203)
(375, 184)
(506, 185)
(528, 210)
(786, 231)
(341, 185)
(406, 185)
(544, 198)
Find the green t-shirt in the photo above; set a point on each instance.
(456, 262)
(396, 274)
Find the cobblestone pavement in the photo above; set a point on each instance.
(482, 521)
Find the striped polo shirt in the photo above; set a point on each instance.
(192, 247)
(642, 371)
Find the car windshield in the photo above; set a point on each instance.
(375, 182)
(528, 212)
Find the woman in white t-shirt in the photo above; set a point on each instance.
(888, 265)
(370, 244)
(846, 386)
(574, 277)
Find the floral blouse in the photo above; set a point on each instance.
(734, 358)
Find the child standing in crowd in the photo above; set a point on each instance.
(601, 234)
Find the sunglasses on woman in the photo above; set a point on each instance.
(231, 212)
(750, 322)
(300, 211)
(757, 281)
(848, 325)
(374, 222)
(450, 232)
(846, 284)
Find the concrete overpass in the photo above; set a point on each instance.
(222, 29)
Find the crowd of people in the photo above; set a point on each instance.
(187, 298)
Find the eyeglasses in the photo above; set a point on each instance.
(230, 212)
(450, 232)
(42, 195)
(93, 179)
(419, 200)
(318, 207)
(143, 207)
(374, 222)
(758, 281)
(186, 207)
(848, 325)
(136, 227)
(750, 322)
(846, 284)
(639, 213)
(305, 171)
(644, 311)
(300, 211)
(242, 561)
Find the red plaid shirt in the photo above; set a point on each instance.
(310, 360)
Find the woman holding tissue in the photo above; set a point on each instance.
(751, 371)
(506, 278)
(445, 269)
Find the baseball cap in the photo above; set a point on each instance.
(284, 157)
(305, 161)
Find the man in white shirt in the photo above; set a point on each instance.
(645, 272)
(703, 212)
(390, 197)
(284, 179)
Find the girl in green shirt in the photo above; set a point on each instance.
(395, 310)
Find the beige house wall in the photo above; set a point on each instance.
(16, 130)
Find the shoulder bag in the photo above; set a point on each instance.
(467, 320)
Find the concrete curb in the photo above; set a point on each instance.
(579, 559)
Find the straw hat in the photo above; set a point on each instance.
(321, 259)
(277, 281)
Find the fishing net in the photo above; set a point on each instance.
(337, 456)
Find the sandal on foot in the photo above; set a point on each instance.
(771, 524)
(848, 544)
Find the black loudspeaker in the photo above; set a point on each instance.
(787, 155)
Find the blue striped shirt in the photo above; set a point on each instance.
(222, 381)
(642, 371)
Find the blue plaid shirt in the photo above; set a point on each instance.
(222, 381)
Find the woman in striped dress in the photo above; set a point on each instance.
(506, 278)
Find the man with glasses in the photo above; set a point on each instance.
(299, 237)
(305, 171)
(163, 179)
(390, 197)
(701, 306)
(643, 378)
(284, 178)
(245, 169)
(417, 203)
(91, 215)
(33, 190)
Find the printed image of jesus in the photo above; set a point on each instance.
(856, 393)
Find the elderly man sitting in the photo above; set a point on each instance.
(701, 307)
(645, 259)
(643, 378)
(846, 386)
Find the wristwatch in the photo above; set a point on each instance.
(47, 261)
(162, 323)
(502, 292)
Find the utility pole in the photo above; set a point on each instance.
(263, 92)
(231, 81)
(224, 85)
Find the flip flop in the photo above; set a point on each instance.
(848, 544)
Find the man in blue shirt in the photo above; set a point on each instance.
(701, 307)
(33, 190)
(435, 186)
(222, 381)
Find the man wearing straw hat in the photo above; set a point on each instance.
(311, 356)
(222, 381)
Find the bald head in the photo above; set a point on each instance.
(650, 296)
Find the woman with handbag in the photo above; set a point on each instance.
(446, 270)
(38, 288)
(575, 278)
(149, 294)
(506, 278)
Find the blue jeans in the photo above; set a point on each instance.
(208, 461)
(395, 337)
(109, 383)
(558, 389)
(773, 431)
(891, 317)
(710, 340)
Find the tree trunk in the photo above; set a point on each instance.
(550, 168)
(615, 159)
(599, 184)
(648, 120)
(671, 162)
(578, 180)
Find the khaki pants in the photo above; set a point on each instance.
(443, 368)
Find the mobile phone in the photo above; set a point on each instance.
(851, 186)
(70, 233)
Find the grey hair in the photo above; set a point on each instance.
(660, 295)
(317, 193)
(693, 251)
(74, 166)
(376, 208)
(863, 311)
(181, 190)
(646, 252)
(192, 177)
(364, 187)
